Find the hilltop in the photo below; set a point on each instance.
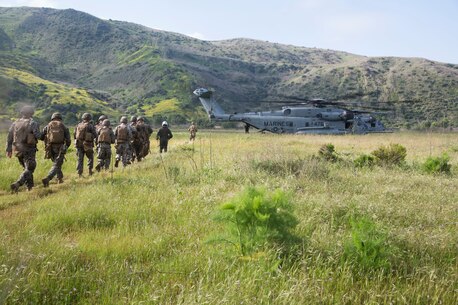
(120, 67)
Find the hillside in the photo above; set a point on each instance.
(135, 69)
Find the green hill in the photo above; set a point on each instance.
(132, 69)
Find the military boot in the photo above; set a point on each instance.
(60, 180)
(116, 163)
(14, 187)
(97, 167)
(45, 182)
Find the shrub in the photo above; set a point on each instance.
(436, 165)
(328, 152)
(364, 161)
(391, 155)
(367, 247)
(256, 219)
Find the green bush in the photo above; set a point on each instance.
(437, 165)
(364, 161)
(391, 155)
(257, 219)
(366, 249)
(328, 152)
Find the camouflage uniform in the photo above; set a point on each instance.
(135, 148)
(85, 147)
(123, 142)
(104, 146)
(55, 152)
(25, 151)
(192, 132)
(99, 124)
(164, 135)
(145, 132)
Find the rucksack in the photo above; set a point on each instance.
(56, 132)
(122, 132)
(82, 133)
(104, 135)
(21, 132)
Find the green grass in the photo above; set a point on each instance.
(139, 235)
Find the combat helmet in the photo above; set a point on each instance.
(123, 120)
(27, 111)
(133, 119)
(86, 117)
(56, 116)
(140, 118)
(102, 117)
(165, 123)
(106, 123)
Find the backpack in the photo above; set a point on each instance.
(104, 135)
(122, 133)
(56, 132)
(82, 134)
(21, 132)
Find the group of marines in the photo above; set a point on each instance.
(131, 140)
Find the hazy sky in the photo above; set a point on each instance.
(407, 28)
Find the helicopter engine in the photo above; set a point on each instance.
(335, 115)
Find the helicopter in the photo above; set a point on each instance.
(316, 118)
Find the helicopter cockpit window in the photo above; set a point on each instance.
(287, 111)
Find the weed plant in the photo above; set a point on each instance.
(437, 165)
(364, 161)
(328, 152)
(257, 220)
(367, 248)
(391, 155)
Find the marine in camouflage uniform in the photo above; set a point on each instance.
(84, 143)
(163, 136)
(145, 132)
(99, 124)
(192, 131)
(123, 134)
(105, 137)
(22, 140)
(55, 151)
(136, 144)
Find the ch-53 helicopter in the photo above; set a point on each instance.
(317, 118)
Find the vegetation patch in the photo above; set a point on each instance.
(391, 155)
(437, 165)
(256, 220)
(367, 248)
(328, 152)
(364, 160)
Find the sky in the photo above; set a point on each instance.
(404, 28)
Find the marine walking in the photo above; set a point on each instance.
(56, 137)
(163, 136)
(105, 137)
(22, 141)
(123, 134)
(85, 135)
(192, 131)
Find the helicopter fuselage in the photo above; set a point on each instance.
(299, 120)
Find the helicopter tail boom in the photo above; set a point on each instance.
(212, 108)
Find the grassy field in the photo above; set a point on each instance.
(141, 235)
